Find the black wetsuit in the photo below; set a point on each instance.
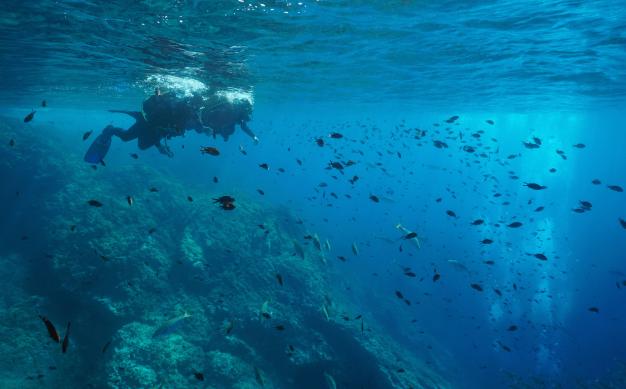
(221, 116)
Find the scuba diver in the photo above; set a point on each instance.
(165, 116)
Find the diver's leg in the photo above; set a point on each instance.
(124, 135)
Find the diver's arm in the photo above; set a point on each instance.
(247, 130)
(164, 149)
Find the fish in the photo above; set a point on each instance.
(319, 142)
(280, 327)
(242, 150)
(489, 121)
(330, 381)
(436, 277)
(540, 256)
(209, 150)
(170, 326)
(374, 198)
(622, 222)
(199, 376)
(190, 199)
(451, 213)
(298, 249)
(486, 241)
(534, 186)
(66, 339)
(258, 376)
(585, 204)
(615, 188)
(595, 181)
(87, 134)
(410, 274)
(529, 145)
(44, 103)
(579, 145)
(11, 142)
(106, 346)
(279, 278)
(264, 166)
(594, 310)
(457, 265)
(228, 327)
(226, 202)
(51, 330)
(335, 135)
(134, 155)
(512, 328)
(498, 292)
(265, 310)
(477, 287)
(477, 222)
(399, 295)
(130, 200)
(94, 203)
(215, 179)
(515, 225)
(30, 116)
(539, 209)
(153, 189)
(355, 249)
(452, 119)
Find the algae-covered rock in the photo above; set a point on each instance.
(257, 311)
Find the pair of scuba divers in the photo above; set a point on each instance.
(165, 116)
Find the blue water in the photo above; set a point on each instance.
(374, 72)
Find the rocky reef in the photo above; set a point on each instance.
(164, 289)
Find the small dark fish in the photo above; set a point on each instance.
(537, 140)
(374, 198)
(410, 235)
(341, 258)
(622, 222)
(477, 222)
(152, 230)
(73, 227)
(399, 295)
(436, 277)
(594, 309)
(199, 376)
(66, 339)
(515, 225)
(319, 142)
(11, 143)
(439, 144)
(489, 262)
(409, 274)
(264, 166)
(452, 119)
(153, 189)
(260, 191)
(51, 330)
(504, 347)
(190, 199)
(134, 156)
(486, 241)
(400, 370)
(335, 165)
(87, 134)
(585, 204)
(44, 103)
(489, 121)
(552, 170)
(106, 346)
(615, 188)
(477, 287)
(498, 292)
(335, 135)
(215, 180)
(209, 150)
(580, 145)
(450, 213)
(299, 162)
(279, 278)
(29, 117)
(529, 145)
(534, 186)
(280, 327)
(596, 181)
(539, 209)
(540, 256)
(357, 317)
(512, 328)
(94, 203)
(130, 200)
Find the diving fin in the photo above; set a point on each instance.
(99, 148)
